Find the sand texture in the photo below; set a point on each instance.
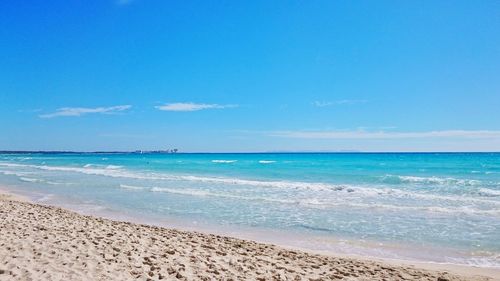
(48, 243)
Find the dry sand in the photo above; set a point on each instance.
(48, 243)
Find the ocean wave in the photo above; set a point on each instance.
(58, 183)
(132, 187)
(206, 193)
(11, 173)
(266, 161)
(25, 179)
(327, 204)
(110, 167)
(348, 190)
(355, 191)
(489, 192)
(271, 184)
(429, 209)
(430, 180)
(181, 191)
(224, 161)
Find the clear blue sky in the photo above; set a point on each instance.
(250, 76)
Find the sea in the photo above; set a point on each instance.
(426, 207)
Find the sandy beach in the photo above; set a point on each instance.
(40, 242)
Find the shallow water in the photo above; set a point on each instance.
(430, 207)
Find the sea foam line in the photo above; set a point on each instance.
(224, 161)
(132, 187)
(11, 173)
(364, 191)
(433, 180)
(26, 179)
(111, 167)
(319, 203)
(489, 192)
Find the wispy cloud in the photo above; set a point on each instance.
(79, 111)
(338, 102)
(360, 134)
(189, 106)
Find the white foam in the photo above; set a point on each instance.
(25, 179)
(11, 173)
(58, 183)
(313, 186)
(327, 203)
(433, 197)
(266, 161)
(132, 187)
(436, 209)
(206, 193)
(489, 192)
(434, 180)
(110, 167)
(181, 191)
(224, 161)
(12, 164)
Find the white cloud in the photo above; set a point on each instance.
(189, 106)
(360, 134)
(79, 111)
(338, 102)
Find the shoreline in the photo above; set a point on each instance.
(450, 271)
(434, 256)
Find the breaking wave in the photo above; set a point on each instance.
(110, 167)
(224, 161)
(483, 195)
(25, 179)
(132, 187)
(489, 192)
(322, 203)
(430, 180)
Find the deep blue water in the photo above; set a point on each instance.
(399, 201)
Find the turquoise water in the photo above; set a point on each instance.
(432, 207)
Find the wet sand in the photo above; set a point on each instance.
(40, 242)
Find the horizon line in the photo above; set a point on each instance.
(231, 152)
